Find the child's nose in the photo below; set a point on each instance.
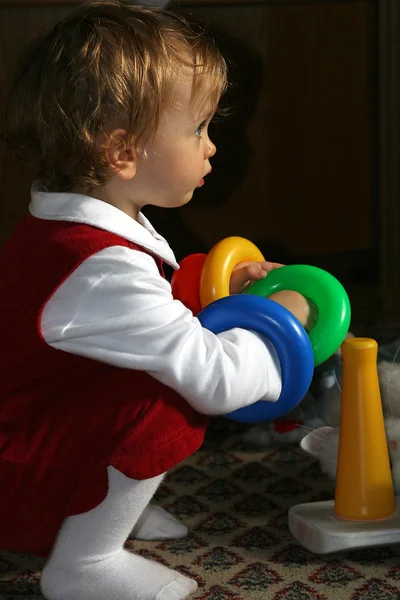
(211, 149)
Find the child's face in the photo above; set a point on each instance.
(177, 159)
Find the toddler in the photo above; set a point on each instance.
(106, 381)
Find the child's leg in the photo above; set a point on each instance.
(88, 561)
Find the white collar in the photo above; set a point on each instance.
(85, 209)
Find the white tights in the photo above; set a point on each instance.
(88, 561)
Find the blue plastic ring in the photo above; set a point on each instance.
(289, 338)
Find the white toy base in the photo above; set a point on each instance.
(316, 527)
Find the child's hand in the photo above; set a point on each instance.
(298, 305)
(247, 272)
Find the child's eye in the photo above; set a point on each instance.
(200, 129)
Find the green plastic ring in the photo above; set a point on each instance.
(325, 291)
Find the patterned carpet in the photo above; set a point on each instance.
(235, 499)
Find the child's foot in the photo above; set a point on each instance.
(123, 576)
(155, 523)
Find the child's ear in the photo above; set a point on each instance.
(314, 442)
(120, 154)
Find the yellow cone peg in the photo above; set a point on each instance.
(364, 487)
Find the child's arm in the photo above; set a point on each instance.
(117, 309)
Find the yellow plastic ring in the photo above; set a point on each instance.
(219, 264)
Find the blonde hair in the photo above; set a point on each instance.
(108, 62)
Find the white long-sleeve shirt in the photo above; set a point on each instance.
(118, 309)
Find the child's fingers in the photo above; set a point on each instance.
(269, 266)
(246, 272)
(243, 275)
(265, 265)
(239, 280)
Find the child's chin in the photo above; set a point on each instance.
(177, 202)
(186, 198)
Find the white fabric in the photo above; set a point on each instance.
(77, 208)
(116, 308)
(156, 523)
(88, 561)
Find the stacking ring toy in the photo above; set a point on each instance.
(219, 264)
(325, 291)
(185, 282)
(289, 338)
